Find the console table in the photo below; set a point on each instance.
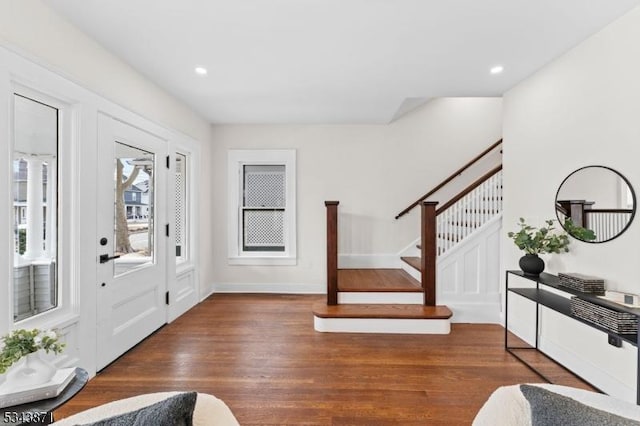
(41, 412)
(543, 297)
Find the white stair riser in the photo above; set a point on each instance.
(411, 271)
(475, 313)
(380, 298)
(382, 325)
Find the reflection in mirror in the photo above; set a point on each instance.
(35, 179)
(595, 204)
(133, 208)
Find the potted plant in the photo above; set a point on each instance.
(535, 241)
(26, 344)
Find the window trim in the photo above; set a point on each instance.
(237, 158)
(66, 240)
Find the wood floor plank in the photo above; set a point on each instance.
(377, 280)
(260, 354)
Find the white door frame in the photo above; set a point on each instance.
(130, 305)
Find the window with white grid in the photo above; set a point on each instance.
(264, 202)
(262, 207)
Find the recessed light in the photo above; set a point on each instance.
(497, 69)
(201, 71)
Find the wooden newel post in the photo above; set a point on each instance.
(428, 256)
(332, 252)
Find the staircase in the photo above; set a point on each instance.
(455, 242)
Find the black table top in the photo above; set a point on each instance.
(15, 415)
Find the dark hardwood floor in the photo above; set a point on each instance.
(260, 354)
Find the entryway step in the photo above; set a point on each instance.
(323, 310)
(377, 280)
(378, 318)
(413, 261)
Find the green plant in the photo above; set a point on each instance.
(22, 241)
(539, 240)
(22, 342)
(584, 234)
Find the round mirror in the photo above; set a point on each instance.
(595, 204)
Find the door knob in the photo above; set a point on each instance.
(104, 258)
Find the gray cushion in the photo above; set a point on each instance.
(551, 409)
(174, 411)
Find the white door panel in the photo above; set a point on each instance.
(183, 277)
(131, 233)
(184, 294)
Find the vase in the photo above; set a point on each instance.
(31, 371)
(531, 264)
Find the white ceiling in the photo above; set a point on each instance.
(335, 61)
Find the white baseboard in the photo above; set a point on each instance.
(380, 298)
(286, 288)
(382, 325)
(411, 249)
(475, 313)
(368, 261)
(209, 293)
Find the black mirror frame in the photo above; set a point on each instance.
(633, 195)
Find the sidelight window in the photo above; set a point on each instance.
(35, 207)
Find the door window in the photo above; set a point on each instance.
(134, 214)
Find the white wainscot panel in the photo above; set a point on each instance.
(586, 351)
(471, 276)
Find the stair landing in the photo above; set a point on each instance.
(382, 318)
(377, 280)
(398, 311)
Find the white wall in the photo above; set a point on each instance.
(31, 30)
(582, 109)
(35, 29)
(374, 171)
(594, 184)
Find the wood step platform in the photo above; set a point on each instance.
(382, 318)
(323, 310)
(377, 280)
(413, 261)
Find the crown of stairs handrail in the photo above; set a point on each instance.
(449, 179)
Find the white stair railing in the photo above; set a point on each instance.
(607, 223)
(471, 212)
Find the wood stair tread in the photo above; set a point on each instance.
(377, 280)
(415, 262)
(396, 311)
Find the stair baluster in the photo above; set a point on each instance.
(465, 213)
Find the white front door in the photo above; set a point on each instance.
(132, 244)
